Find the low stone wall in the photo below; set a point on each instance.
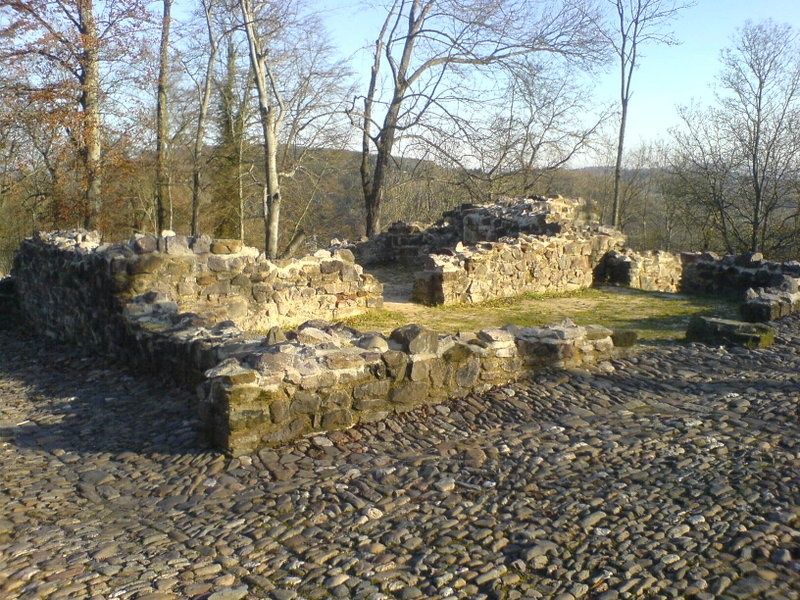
(514, 266)
(655, 271)
(265, 391)
(709, 273)
(217, 279)
(768, 289)
(326, 377)
(408, 243)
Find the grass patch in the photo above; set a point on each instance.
(656, 316)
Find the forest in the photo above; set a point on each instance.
(242, 119)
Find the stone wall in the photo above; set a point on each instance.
(514, 266)
(655, 271)
(217, 279)
(256, 391)
(327, 377)
(708, 273)
(768, 289)
(408, 243)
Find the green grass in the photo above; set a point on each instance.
(656, 316)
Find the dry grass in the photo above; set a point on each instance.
(656, 316)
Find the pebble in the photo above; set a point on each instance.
(664, 474)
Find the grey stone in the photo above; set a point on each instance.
(416, 339)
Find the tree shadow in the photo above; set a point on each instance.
(59, 396)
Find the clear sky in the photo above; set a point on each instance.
(668, 75)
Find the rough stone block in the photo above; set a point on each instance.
(723, 331)
(337, 419)
(226, 246)
(411, 393)
(416, 339)
(758, 311)
(145, 244)
(624, 338)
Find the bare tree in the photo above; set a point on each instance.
(637, 23)
(426, 44)
(508, 145)
(164, 216)
(741, 157)
(761, 106)
(271, 110)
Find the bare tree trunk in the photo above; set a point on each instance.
(239, 181)
(295, 244)
(373, 196)
(615, 210)
(373, 183)
(90, 104)
(162, 122)
(273, 188)
(201, 119)
(374, 199)
(270, 124)
(758, 199)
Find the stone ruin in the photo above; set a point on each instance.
(190, 308)
(161, 304)
(767, 289)
(553, 244)
(479, 252)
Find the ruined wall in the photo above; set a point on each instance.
(217, 279)
(403, 244)
(225, 280)
(408, 243)
(514, 266)
(256, 391)
(326, 378)
(68, 287)
(655, 271)
(709, 273)
(768, 289)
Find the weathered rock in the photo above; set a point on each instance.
(416, 339)
(723, 331)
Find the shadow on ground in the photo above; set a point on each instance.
(85, 403)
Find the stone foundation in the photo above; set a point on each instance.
(513, 266)
(328, 377)
(256, 391)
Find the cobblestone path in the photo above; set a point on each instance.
(674, 475)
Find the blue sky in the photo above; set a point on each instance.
(668, 75)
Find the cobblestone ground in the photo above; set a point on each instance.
(676, 475)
